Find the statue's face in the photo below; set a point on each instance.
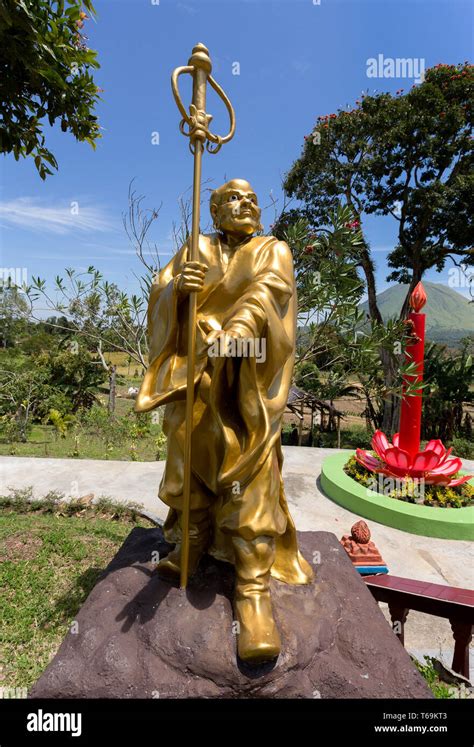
(238, 212)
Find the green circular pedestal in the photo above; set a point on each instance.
(430, 521)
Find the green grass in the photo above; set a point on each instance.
(48, 565)
(439, 688)
(43, 442)
(125, 367)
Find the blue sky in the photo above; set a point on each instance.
(297, 60)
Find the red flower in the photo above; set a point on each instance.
(432, 464)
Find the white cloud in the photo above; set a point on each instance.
(69, 217)
(189, 9)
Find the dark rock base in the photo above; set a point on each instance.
(140, 637)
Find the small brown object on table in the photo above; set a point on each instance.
(360, 548)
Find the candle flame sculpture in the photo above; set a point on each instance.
(402, 458)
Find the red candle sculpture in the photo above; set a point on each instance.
(410, 415)
(402, 458)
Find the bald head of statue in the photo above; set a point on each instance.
(234, 209)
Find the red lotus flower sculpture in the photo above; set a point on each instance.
(432, 464)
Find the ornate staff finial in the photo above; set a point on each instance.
(198, 121)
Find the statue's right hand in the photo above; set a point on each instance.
(191, 278)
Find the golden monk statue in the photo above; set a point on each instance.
(245, 342)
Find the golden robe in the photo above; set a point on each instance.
(239, 401)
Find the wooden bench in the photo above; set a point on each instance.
(455, 604)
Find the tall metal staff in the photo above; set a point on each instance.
(199, 67)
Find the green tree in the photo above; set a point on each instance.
(13, 310)
(332, 334)
(34, 385)
(23, 388)
(45, 75)
(97, 312)
(406, 156)
(75, 374)
(449, 387)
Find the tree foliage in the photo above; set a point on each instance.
(449, 388)
(45, 76)
(66, 380)
(409, 156)
(337, 354)
(95, 310)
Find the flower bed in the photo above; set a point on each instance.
(411, 490)
(426, 520)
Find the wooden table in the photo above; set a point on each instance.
(453, 603)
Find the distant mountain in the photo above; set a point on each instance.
(449, 316)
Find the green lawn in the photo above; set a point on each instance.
(48, 565)
(43, 442)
